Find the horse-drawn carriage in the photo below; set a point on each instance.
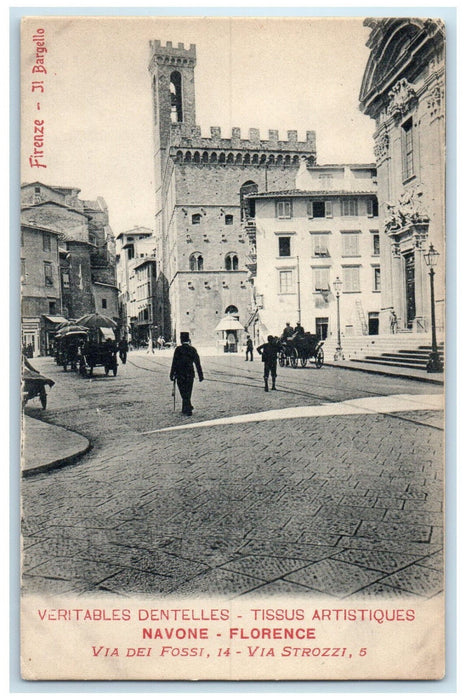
(100, 347)
(68, 345)
(301, 349)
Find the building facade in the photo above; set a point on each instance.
(67, 261)
(403, 90)
(201, 201)
(304, 239)
(136, 272)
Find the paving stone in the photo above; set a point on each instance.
(74, 569)
(334, 577)
(417, 579)
(54, 586)
(400, 531)
(379, 589)
(135, 582)
(280, 588)
(434, 561)
(307, 552)
(386, 562)
(266, 568)
(414, 517)
(421, 549)
(217, 582)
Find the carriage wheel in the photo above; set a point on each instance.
(319, 358)
(43, 397)
(303, 361)
(294, 358)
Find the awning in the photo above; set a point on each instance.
(55, 319)
(229, 323)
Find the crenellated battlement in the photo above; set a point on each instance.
(187, 144)
(172, 55)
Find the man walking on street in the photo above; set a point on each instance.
(182, 370)
(249, 349)
(269, 352)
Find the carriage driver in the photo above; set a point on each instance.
(269, 352)
(287, 332)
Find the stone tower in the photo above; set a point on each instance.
(201, 208)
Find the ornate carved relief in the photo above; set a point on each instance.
(402, 97)
(436, 100)
(382, 145)
(408, 211)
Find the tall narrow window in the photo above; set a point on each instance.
(321, 279)
(349, 207)
(376, 280)
(351, 279)
(283, 209)
(375, 244)
(407, 149)
(45, 241)
(320, 245)
(350, 244)
(48, 274)
(23, 270)
(286, 281)
(175, 97)
(284, 246)
(248, 206)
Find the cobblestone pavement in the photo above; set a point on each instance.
(344, 506)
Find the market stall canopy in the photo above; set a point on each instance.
(71, 329)
(229, 323)
(107, 333)
(96, 321)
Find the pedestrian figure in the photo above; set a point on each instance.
(182, 370)
(249, 349)
(123, 349)
(269, 352)
(288, 331)
(393, 321)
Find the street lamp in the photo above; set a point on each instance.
(434, 363)
(337, 285)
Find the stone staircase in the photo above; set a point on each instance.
(410, 350)
(410, 359)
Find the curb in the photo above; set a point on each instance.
(386, 373)
(61, 461)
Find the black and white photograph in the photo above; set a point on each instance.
(233, 266)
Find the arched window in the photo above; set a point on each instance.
(196, 262)
(231, 261)
(196, 157)
(175, 97)
(247, 206)
(231, 309)
(205, 157)
(221, 158)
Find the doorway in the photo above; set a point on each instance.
(373, 323)
(322, 327)
(410, 290)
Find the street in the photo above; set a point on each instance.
(334, 498)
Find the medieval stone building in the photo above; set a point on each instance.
(403, 90)
(67, 261)
(201, 204)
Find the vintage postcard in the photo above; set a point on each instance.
(232, 326)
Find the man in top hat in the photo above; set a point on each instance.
(184, 359)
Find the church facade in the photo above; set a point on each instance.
(202, 206)
(403, 90)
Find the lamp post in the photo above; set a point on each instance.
(434, 363)
(337, 285)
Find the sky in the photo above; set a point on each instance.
(284, 73)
